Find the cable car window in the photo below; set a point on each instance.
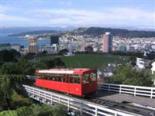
(60, 77)
(74, 79)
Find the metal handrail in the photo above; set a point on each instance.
(82, 106)
(135, 90)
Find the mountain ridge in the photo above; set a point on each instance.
(95, 31)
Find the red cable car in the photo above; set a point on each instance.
(79, 82)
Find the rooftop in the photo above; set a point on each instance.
(65, 71)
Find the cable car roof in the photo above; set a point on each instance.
(65, 71)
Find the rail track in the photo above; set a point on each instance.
(124, 107)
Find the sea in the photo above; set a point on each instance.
(5, 39)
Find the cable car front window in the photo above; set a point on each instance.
(93, 76)
(86, 78)
(90, 77)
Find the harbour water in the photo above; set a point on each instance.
(4, 39)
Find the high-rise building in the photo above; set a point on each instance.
(54, 39)
(33, 48)
(106, 43)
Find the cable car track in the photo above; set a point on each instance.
(124, 107)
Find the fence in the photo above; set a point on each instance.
(128, 89)
(84, 107)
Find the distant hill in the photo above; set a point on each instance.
(40, 32)
(30, 30)
(93, 31)
(16, 30)
(96, 31)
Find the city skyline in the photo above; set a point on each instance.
(67, 13)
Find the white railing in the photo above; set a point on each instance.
(84, 107)
(129, 89)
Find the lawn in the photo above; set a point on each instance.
(92, 60)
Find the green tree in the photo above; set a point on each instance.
(57, 62)
(153, 79)
(5, 90)
(10, 88)
(132, 60)
(41, 110)
(9, 55)
(40, 65)
(25, 67)
(125, 74)
(49, 63)
(63, 52)
(10, 68)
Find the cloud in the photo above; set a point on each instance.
(113, 16)
(8, 19)
(5, 17)
(118, 17)
(3, 9)
(65, 2)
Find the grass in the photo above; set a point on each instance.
(87, 60)
(92, 60)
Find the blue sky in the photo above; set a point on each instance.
(63, 13)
